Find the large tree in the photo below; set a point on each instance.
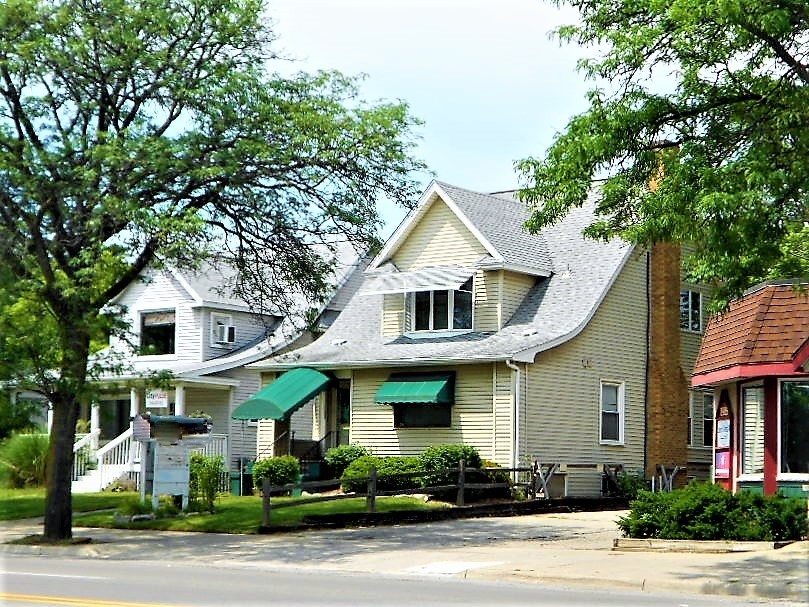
(155, 132)
(707, 99)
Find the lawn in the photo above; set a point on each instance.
(30, 503)
(243, 514)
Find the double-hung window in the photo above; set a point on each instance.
(691, 311)
(707, 419)
(442, 310)
(612, 412)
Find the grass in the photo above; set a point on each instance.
(30, 503)
(243, 514)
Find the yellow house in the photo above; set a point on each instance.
(467, 329)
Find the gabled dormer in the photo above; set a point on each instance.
(460, 262)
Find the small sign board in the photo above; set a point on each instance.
(157, 399)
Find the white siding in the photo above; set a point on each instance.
(562, 421)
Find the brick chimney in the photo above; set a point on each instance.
(667, 387)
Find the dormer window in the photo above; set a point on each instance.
(157, 332)
(223, 333)
(449, 310)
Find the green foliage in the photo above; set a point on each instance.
(341, 456)
(720, 133)
(392, 473)
(441, 457)
(205, 478)
(22, 460)
(704, 511)
(158, 133)
(135, 505)
(630, 485)
(17, 416)
(281, 470)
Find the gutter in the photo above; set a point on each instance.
(515, 454)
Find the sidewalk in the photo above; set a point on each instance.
(570, 549)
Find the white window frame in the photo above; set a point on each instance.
(217, 317)
(701, 311)
(712, 418)
(139, 314)
(410, 302)
(691, 430)
(743, 454)
(621, 405)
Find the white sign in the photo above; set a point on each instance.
(157, 399)
(723, 434)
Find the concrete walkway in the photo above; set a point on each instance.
(572, 549)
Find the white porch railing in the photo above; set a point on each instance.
(216, 445)
(118, 456)
(84, 453)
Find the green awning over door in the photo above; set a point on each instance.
(427, 388)
(284, 396)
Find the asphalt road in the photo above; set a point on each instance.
(37, 580)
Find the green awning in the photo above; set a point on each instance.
(427, 388)
(284, 396)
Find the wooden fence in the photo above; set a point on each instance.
(534, 480)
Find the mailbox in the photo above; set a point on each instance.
(168, 440)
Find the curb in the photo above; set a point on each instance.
(703, 546)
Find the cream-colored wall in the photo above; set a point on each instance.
(393, 314)
(439, 238)
(563, 409)
(487, 300)
(472, 414)
(515, 288)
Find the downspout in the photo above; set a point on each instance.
(515, 454)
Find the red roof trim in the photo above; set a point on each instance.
(736, 372)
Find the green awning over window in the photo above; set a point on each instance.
(427, 388)
(284, 396)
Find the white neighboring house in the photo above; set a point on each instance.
(187, 323)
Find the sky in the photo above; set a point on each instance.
(487, 78)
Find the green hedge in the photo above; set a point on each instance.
(340, 457)
(442, 457)
(281, 470)
(205, 476)
(703, 511)
(393, 473)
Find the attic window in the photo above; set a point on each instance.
(157, 332)
(442, 310)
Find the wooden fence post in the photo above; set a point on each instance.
(265, 503)
(370, 499)
(461, 482)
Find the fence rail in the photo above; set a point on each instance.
(537, 481)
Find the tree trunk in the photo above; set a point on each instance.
(59, 472)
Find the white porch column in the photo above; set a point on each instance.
(179, 399)
(95, 424)
(134, 403)
(50, 418)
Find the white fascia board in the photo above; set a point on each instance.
(214, 305)
(514, 267)
(365, 364)
(428, 198)
(528, 355)
(184, 284)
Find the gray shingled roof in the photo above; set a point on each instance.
(501, 221)
(554, 310)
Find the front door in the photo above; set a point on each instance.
(338, 414)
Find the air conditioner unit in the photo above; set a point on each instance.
(225, 334)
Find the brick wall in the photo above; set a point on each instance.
(667, 396)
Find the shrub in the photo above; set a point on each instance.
(340, 457)
(204, 479)
(134, 505)
(17, 416)
(441, 457)
(703, 511)
(281, 470)
(22, 458)
(393, 473)
(629, 485)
